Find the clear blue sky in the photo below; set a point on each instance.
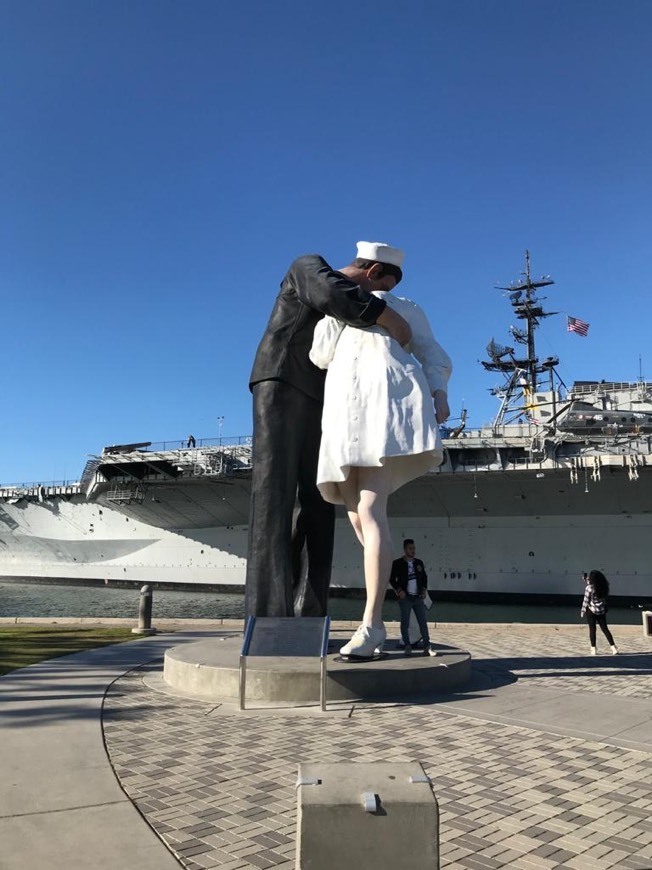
(161, 164)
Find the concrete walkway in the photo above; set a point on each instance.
(543, 762)
(61, 805)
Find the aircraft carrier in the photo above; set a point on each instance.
(559, 483)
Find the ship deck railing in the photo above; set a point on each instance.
(239, 447)
(127, 495)
(206, 454)
(40, 490)
(490, 433)
(600, 387)
(182, 444)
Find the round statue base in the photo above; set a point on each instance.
(210, 669)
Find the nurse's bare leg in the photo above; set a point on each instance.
(374, 488)
(371, 513)
(350, 492)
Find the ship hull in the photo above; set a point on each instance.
(491, 533)
(560, 483)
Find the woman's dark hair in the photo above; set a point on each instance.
(600, 584)
(386, 268)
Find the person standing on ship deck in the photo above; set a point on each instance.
(289, 564)
(594, 607)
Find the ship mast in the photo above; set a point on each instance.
(521, 368)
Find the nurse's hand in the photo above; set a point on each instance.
(442, 411)
(396, 325)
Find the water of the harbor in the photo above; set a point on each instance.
(51, 601)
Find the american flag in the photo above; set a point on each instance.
(581, 327)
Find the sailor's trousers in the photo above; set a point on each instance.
(290, 552)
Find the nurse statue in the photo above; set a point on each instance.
(382, 407)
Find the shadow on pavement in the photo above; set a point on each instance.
(72, 688)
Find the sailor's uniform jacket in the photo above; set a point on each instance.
(310, 290)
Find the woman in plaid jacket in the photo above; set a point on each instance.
(594, 607)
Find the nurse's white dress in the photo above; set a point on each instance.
(378, 407)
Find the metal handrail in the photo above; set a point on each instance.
(154, 447)
(182, 444)
(607, 386)
(35, 484)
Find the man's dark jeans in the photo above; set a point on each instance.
(407, 605)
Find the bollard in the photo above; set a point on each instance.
(145, 612)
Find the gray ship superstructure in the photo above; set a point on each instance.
(559, 483)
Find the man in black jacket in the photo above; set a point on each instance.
(410, 582)
(289, 564)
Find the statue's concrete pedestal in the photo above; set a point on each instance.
(210, 669)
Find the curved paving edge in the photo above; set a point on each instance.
(219, 785)
(61, 806)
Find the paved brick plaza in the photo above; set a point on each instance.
(218, 786)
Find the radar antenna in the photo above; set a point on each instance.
(521, 368)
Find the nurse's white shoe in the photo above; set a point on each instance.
(365, 642)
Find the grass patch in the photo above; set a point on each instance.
(24, 645)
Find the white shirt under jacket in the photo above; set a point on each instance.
(378, 407)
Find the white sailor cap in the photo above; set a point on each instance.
(379, 252)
